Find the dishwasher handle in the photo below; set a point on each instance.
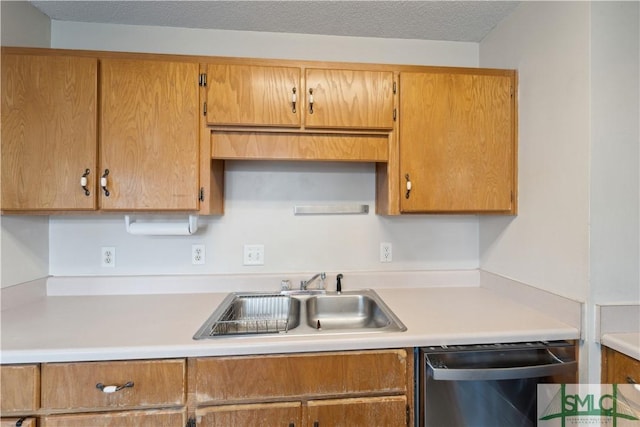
(556, 367)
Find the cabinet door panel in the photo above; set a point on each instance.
(13, 422)
(363, 412)
(618, 368)
(147, 418)
(457, 142)
(346, 99)
(269, 414)
(249, 378)
(149, 135)
(252, 95)
(49, 114)
(19, 389)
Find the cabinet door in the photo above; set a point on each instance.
(48, 132)
(147, 418)
(287, 414)
(344, 99)
(618, 368)
(253, 95)
(13, 422)
(149, 135)
(19, 389)
(457, 142)
(371, 411)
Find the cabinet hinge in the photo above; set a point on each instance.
(201, 195)
(204, 109)
(203, 80)
(394, 87)
(408, 415)
(191, 422)
(395, 114)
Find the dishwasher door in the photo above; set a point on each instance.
(489, 385)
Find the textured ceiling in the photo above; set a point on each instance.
(467, 21)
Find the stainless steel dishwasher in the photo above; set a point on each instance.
(489, 385)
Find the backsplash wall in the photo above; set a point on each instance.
(259, 202)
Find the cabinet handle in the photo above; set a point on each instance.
(316, 424)
(103, 182)
(311, 107)
(292, 424)
(294, 99)
(113, 388)
(84, 181)
(406, 196)
(630, 380)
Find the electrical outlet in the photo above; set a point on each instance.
(197, 254)
(108, 256)
(253, 255)
(385, 252)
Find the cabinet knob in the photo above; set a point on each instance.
(84, 181)
(103, 182)
(113, 388)
(294, 99)
(409, 186)
(311, 104)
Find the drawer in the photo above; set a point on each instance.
(13, 422)
(19, 388)
(284, 414)
(147, 418)
(74, 386)
(388, 411)
(296, 376)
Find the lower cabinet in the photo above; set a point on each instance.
(350, 388)
(347, 388)
(618, 368)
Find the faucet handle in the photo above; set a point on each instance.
(285, 285)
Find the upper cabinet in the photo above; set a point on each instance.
(348, 99)
(272, 96)
(457, 142)
(249, 95)
(49, 113)
(149, 144)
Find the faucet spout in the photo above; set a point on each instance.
(304, 284)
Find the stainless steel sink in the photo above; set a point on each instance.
(328, 313)
(350, 311)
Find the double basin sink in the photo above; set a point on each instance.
(304, 313)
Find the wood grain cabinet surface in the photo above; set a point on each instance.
(149, 127)
(75, 386)
(457, 142)
(49, 138)
(14, 422)
(354, 388)
(618, 368)
(146, 418)
(19, 389)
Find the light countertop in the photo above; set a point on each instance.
(626, 343)
(116, 327)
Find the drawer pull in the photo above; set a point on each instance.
(113, 388)
(630, 380)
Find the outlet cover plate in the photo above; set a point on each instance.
(253, 255)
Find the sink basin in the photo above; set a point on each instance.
(345, 311)
(249, 314)
(252, 313)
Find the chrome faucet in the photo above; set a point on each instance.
(304, 284)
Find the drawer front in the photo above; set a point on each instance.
(239, 379)
(148, 418)
(13, 422)
(19, 388)
(74, 386)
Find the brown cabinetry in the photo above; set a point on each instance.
(19, 389)
(149, 135)
(457, 142)
(358, 388)
(274, 96)
(49, 139)
(618, 368)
